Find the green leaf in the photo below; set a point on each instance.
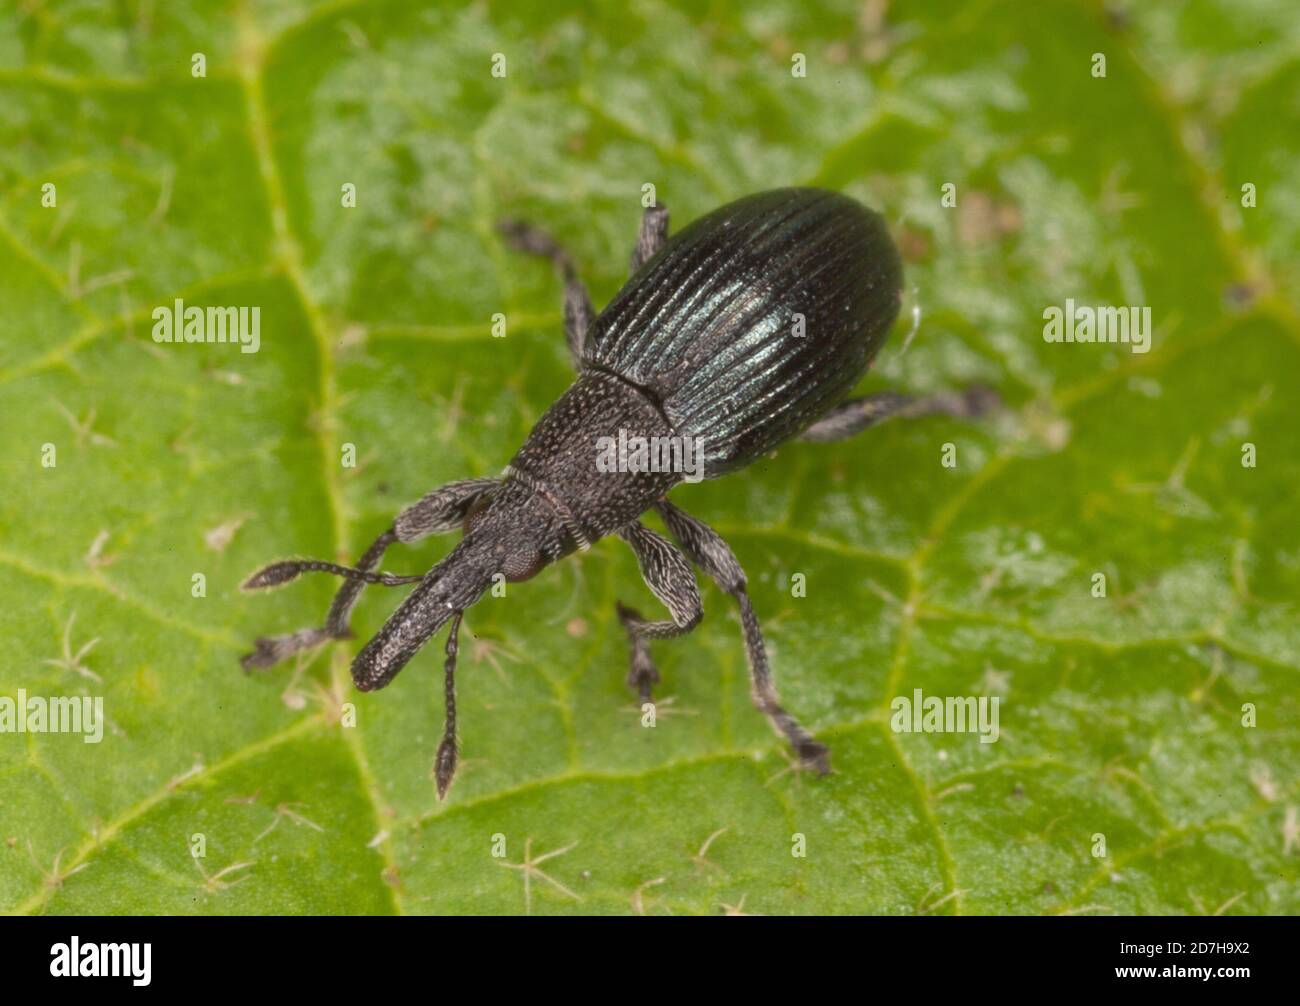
(1120, 716)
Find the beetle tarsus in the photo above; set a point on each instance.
(578, 312)
(814, 755)
(270, 650)
(969, 403)
(642, 673)
(981, 400)
(523, 236)
(857, 414)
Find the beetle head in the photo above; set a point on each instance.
(512, 536)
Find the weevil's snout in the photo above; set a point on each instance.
(451, 586)
(512, 538)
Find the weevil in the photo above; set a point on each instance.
(745, 330)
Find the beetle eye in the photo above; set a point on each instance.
(522, 564)
(474, 516)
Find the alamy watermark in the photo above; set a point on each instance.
(633, 453)
(1081, 323)
(952, 714)
(76, 959)
(179, 323)
(57, 714)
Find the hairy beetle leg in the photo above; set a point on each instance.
(578, 312)
(707, 550)
(668, 575)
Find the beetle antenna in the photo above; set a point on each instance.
(279, 573)
(444, 765)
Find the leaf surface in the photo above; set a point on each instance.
(1120, 717)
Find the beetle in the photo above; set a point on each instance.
(744, 330)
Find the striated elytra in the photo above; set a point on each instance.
(707, 326)
(743, 331)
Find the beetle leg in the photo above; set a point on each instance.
(669, 577)
(440, 510)
(651, 237)
(443, 509)
(857, 414)
(578, 312)
(713, 555)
